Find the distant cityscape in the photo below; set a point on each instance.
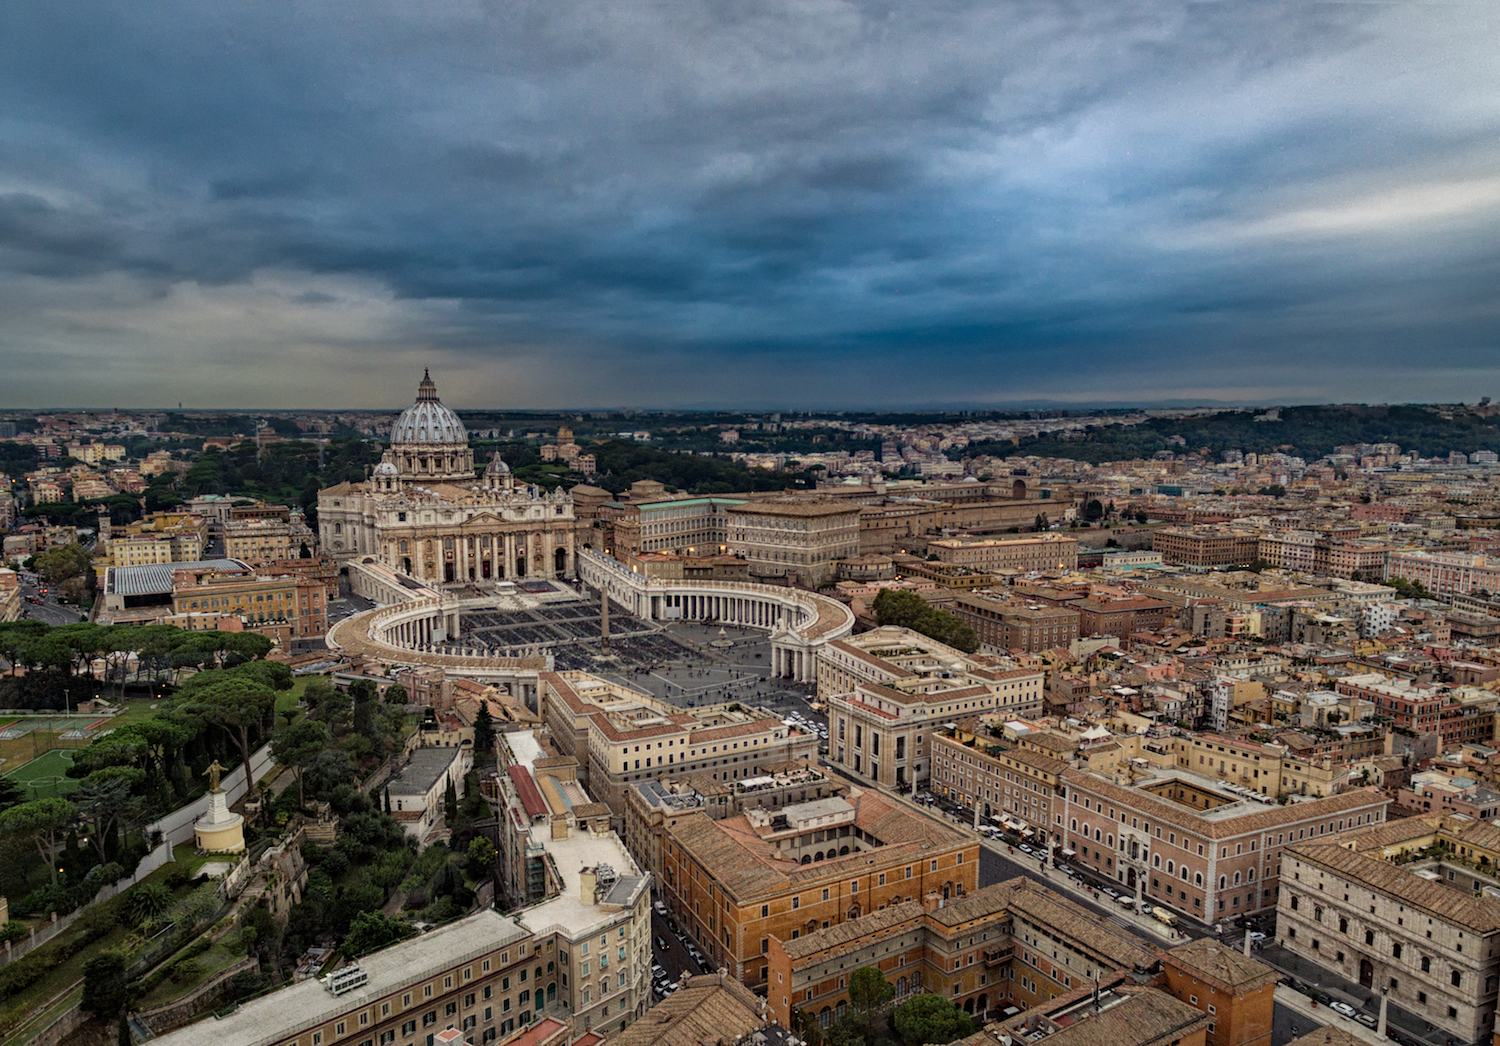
(574, 727)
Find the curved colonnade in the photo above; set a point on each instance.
(799, 622)
(423, 632)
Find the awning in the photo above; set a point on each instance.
(1070, 853)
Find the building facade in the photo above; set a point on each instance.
(889, 689)
(738, 883)
(425, 513)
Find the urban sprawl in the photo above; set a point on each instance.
(358, 728)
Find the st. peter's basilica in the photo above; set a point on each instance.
(424, 513)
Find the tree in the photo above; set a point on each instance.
(60, 564)
(868, 991)
(484, 732)
(450, 803)
(234, 704)
(909, 610)
(39, 821)
(297, 746)
(930, 1018)
(11, 793)
(1093, 510)
(1041, 522)
(369, 931)
(105, 989)
(481, 857)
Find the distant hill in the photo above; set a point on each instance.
(1308, 432)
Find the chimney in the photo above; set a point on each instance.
(588, 886)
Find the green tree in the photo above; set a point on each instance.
(369, 931)
(61, 564)
(298, 745)
(909, 610)
(484, 734)
(39, 821)
(1093, 510)
(105, 988)
(450, 803)
(234, 704)
(868, 992)
(481, 857)
(930, 1018)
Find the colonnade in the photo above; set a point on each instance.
(799, 622)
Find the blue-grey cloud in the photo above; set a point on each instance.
(758, 202)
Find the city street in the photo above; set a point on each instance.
(49, 610)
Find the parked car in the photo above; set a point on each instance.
(1256, 937)
(1343, 1009)
(1367, 1019)
(661, 909)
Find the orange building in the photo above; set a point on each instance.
(739, 883)
(1235, 990)
(1016, 943)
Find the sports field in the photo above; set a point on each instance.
(46, 775)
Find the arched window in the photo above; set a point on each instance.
(1317, 914)
(1343, 925)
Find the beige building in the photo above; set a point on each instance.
(1033, 552)
(1012, 785)
(424, 513)
(890, 689)
(263, 541)
(801, 540)
(1427, 933)
(622, 737)
(1192, 844)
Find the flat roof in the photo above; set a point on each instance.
(426, 767)
(156, 579)
(567, 911)
(300, 1007)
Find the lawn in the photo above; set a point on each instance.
(201, 968)
(46, 775)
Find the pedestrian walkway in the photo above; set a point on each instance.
(1317, 1016)
(1341, 989)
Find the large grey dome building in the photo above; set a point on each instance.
(425, 511)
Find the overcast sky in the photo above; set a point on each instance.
(747, 203)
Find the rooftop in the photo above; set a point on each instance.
(425, 768)
(282, 1014)
(568, 911)
(156, 579)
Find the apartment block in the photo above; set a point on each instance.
(737, 883)
(1015, 943)
(1039, 552)
(1197, 846)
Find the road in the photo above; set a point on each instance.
(49, 610)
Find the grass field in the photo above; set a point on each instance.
(37, 774)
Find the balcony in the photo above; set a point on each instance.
(998, 956)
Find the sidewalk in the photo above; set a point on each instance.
(1068, 886)
(1368, 999)
(1321, 1015)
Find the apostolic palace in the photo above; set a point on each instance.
(424, 513)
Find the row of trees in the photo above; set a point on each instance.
(70, 663)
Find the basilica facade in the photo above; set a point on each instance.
(425, 513)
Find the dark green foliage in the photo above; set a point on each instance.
(868, 991)
(930, 1018)
(484, 735)
(622, 463)
(370, 931)
(909, 610)
(105, 989)
(1409, 589)
(1308, 432)
(450, 802)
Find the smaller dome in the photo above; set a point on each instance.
(386, 468)
(497, 466)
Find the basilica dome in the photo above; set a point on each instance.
(429, 443)
(427, 420)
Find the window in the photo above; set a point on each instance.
(1396, 951)
(1456, 979)
(1426, 964)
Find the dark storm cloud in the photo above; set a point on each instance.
(757, 202)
